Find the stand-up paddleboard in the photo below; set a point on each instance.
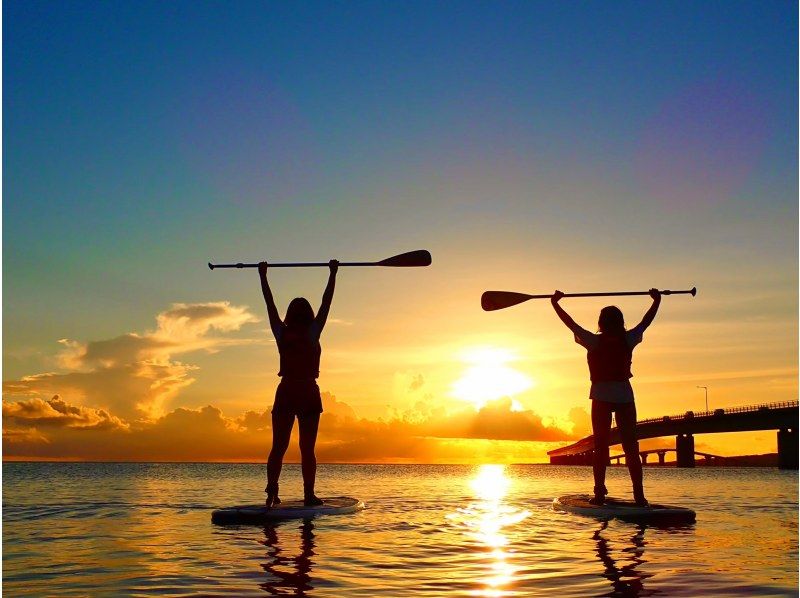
(626, 510)
(290, 509)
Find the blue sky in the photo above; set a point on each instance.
(527, 145)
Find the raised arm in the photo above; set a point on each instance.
(327, 296)
(275, 321)
(651, 313)
(565, 317)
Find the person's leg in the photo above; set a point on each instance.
(309, 425)
(282, 423)
(601, 427)
(626, 422)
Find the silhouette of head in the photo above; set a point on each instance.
(299, 314)
(611, 321)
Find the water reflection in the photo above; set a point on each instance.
(628, 579)
(485, 519)
(625, 579)
(289, 573)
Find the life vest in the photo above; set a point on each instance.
(610, 361)
(300, 353)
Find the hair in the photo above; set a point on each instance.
(299, 314)
(611, 321)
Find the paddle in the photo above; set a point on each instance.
(493, 300)
(412, 259)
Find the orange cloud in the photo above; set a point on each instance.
(111, 399)
(56, 413)
(135, 375)
(22, 435)
(581, 421)
(496, 421)
(52, 429)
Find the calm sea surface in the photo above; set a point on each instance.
(121, 529)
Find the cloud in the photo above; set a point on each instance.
(495, 421)
(135, 375)
(339, 322)
(407, 383)
(581, 421)
(55, 413)
(110, 399)
(54, 429)
(13, 436)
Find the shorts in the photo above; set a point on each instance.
(297, 397)
(615, 391)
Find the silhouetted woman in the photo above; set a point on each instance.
(609, 355)
(298, 394)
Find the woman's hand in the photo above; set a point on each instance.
(334, 266)
(557, 295)
(262, 268)
(655, 294)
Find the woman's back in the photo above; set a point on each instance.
(299, 351)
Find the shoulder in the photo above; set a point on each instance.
(634, 336)
(585, 338)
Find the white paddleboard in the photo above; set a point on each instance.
(626, 510)
(290, 509)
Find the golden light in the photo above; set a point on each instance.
(488, 377)
(485, 519)
(491, 483)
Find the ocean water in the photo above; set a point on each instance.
(144, 529)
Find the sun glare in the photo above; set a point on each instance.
(485, 519)
(491, 483)
(489, 377)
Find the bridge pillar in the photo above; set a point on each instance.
(644, 458)
(684, 449)
(661, 457)
(787, 449)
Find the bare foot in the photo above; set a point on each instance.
(312, 500)
(272, 496)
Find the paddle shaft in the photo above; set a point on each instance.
(293, 265)
(409, 259)
(618, 294)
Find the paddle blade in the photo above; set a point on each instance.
(493, 300)
(408, 260)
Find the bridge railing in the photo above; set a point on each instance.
(743, 409)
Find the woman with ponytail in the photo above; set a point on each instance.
(298, 394)
(609, 354)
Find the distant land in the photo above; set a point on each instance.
(766, 460)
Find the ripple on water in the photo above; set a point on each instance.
(427, 531)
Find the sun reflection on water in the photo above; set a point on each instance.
(485, 520)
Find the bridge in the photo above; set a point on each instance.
(782, 417)
(662, 453)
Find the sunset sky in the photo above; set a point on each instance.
(529, 146)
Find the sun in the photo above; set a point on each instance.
(489, 377)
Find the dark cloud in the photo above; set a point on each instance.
(495, 421)
(54, 429)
